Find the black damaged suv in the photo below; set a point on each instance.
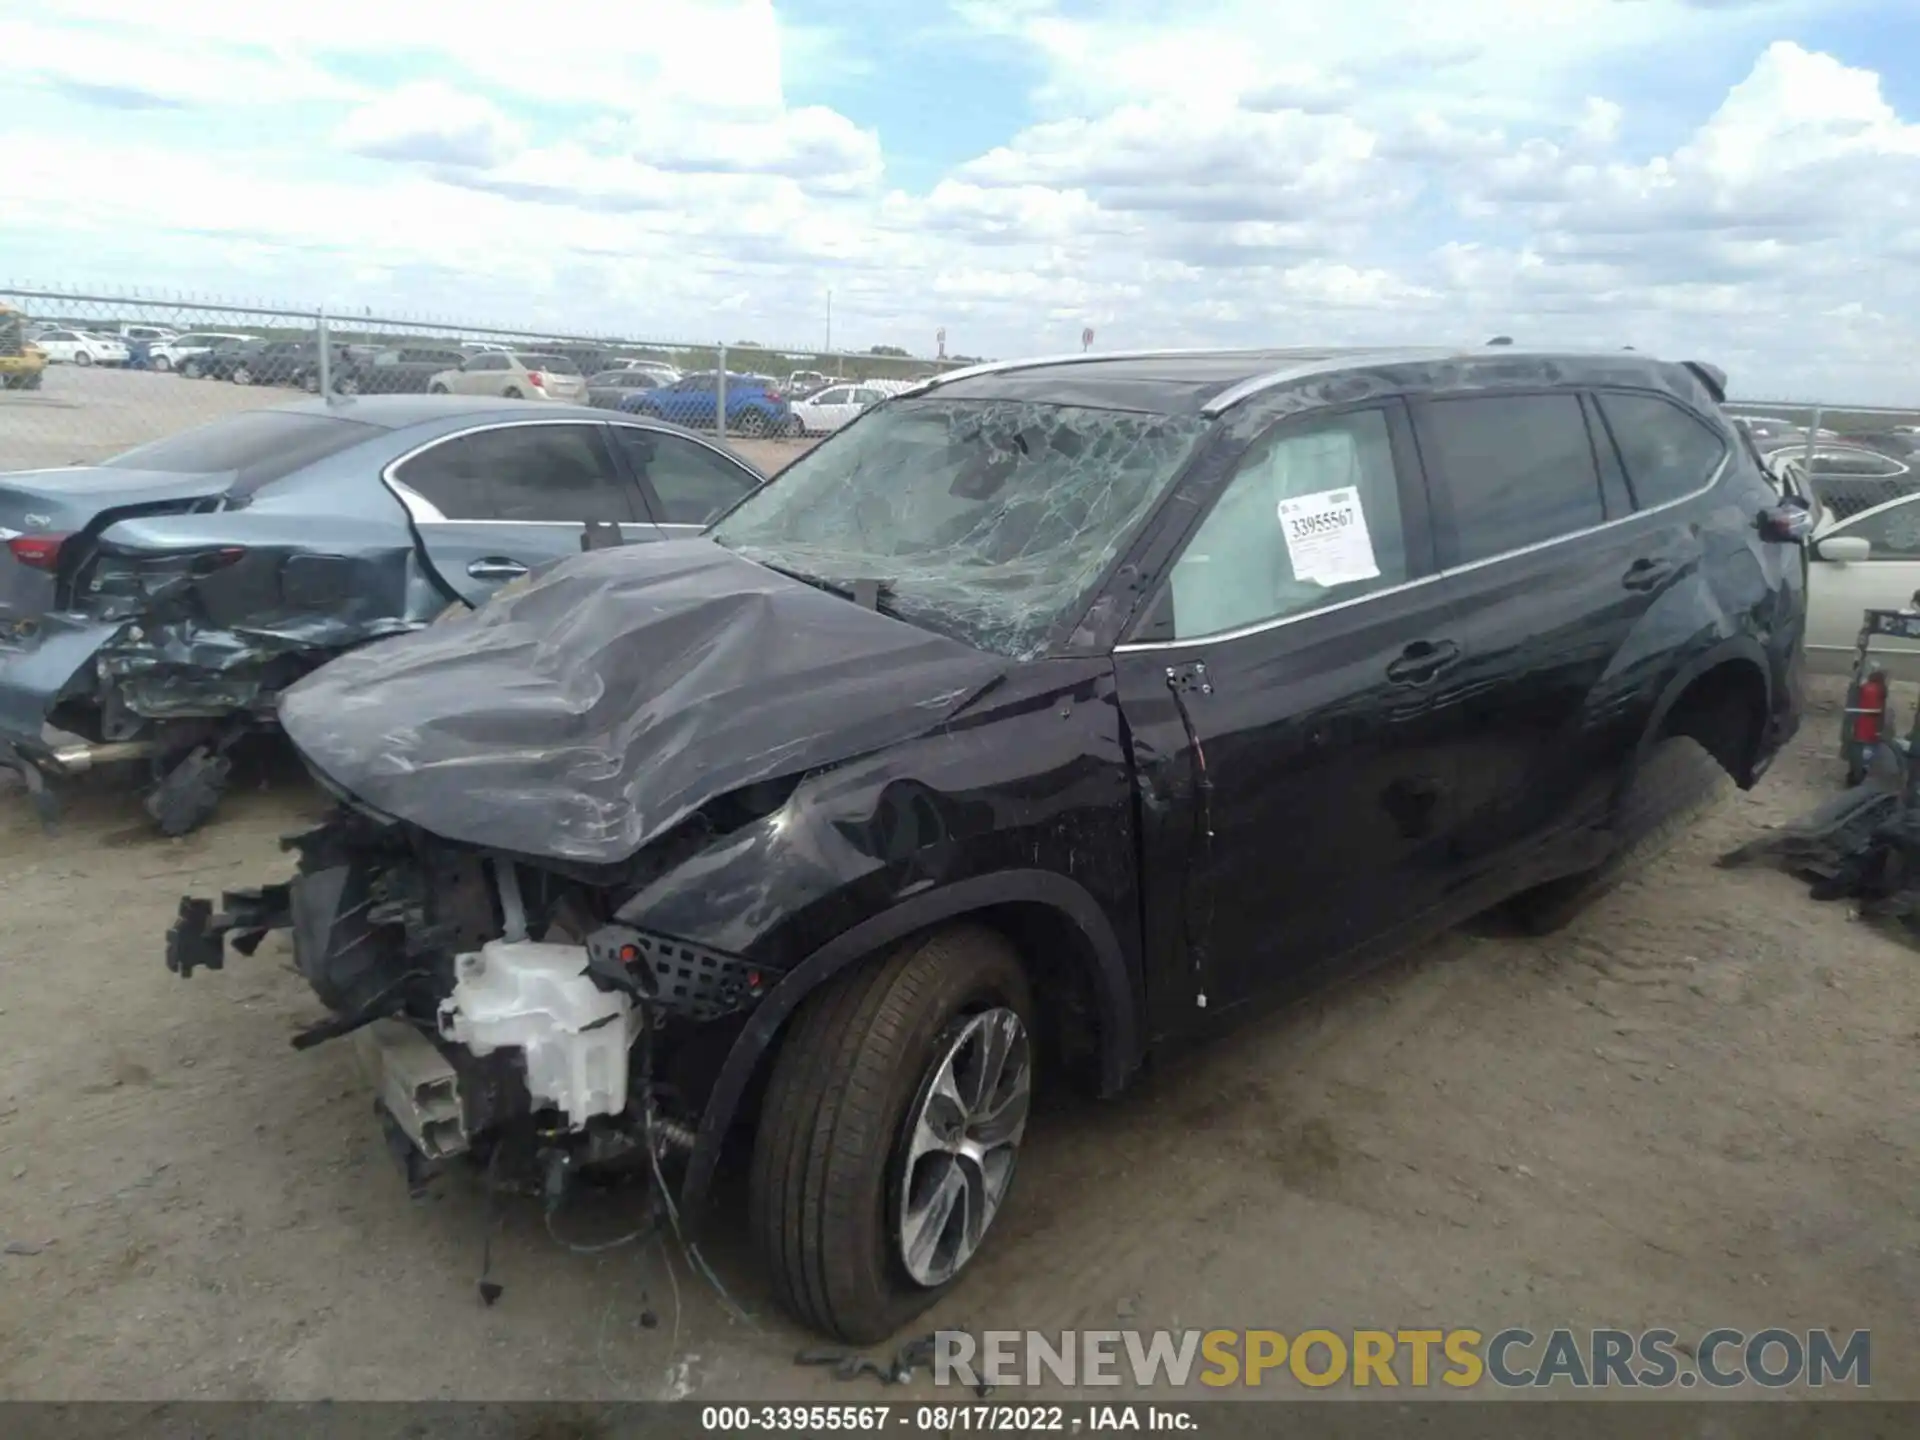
(1045, 717)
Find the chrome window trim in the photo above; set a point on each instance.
(423, 511)
(1142, 647)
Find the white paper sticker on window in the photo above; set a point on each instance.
(1327, 539)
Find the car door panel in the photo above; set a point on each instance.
(1295, 775)
(1568, 621)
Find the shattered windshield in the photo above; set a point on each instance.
(984, 519)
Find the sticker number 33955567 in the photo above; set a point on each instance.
(1327, 539)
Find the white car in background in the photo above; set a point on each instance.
(168, 354)
(515, 375)
(1865, 553)
(827, 410)
(81, 347)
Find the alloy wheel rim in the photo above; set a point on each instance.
(963, 1138)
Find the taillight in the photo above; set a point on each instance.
(37, 552)
(1869, 708)
(534, 377)
(775, 396)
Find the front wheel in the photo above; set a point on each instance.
(162, 364)
(513, 393)
(436, 389)
(242, 375)
(83, 357)
(892, 1122)
(752, 425)
(347, 385)
(192, 370)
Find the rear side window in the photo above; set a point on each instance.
(1668, 453)
(554, 474)
(262, 445)
(1516, 470)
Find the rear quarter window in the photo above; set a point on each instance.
(1668, 453)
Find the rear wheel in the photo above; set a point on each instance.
(892, 1122)
(513, 393)
(162, 363)
(83, 357)
(436, 389)
(348, 385)
(193, 370)
(242, 375)
(1677, 784)
(753, 424)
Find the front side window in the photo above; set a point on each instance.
(1310, 518)
(1668, 454)
(1516, 470)
(1894, 533)
(542, 474)
(691, 482)
(988, 520)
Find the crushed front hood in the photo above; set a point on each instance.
(592, 711)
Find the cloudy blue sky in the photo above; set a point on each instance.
(1731, 179)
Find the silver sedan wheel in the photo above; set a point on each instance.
(966, 1129)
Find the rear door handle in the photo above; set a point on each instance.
(496, 567)
(1645, 574)
(1422, 661)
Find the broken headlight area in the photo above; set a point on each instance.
(498, 1009)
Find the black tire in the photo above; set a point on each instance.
(310, 382)
(32, 382)
(1677, 784)
(828, 1150)
(192, 370)
(162, 364)
(436, 389)
(242, 375)
(752, 425)
(347, 385)
(512, 392)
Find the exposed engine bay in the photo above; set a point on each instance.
(502, 1017)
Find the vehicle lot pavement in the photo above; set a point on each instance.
(1700, 1106)
(88, 415)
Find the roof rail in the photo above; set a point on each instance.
(1086, 357)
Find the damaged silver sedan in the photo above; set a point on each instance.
(154, 606)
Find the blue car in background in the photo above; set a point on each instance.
(755, 404)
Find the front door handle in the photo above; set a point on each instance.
(496, 567)
(1646, 574)
(1422, 661)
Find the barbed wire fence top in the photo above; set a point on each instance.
(118, 369)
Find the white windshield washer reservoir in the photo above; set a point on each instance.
(536, 998)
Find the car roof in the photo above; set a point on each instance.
(1192, 382)
(397, 412)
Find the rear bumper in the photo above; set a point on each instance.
(36, 674)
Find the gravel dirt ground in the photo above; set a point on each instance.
(1697, 1107)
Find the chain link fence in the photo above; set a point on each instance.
(1852, 458)
(86, 376)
